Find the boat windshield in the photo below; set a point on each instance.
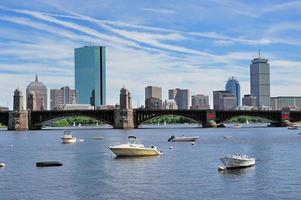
(133, 140)
(67, 132)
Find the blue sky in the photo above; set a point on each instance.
(169, 43)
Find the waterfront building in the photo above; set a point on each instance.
(36, 95)
(75, 107)
(65, 95)
(170, 104)
(153, 103)
(90, 75)
(249, 100)
(181, 96)
(199, 101)
(224, 100)
(286, 102)
(153, 97)
(233, 86)
(260, 81)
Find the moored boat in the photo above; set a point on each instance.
(134, 149)
(68, 138)
(293, 127)
(237, 126)
(183, 138)
(236, 161)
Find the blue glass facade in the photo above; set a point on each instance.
(234, 87)
(90, 75)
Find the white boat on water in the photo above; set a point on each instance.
(134, 149)
(237, 126)
(293, 127)
(183, 138)
(236, 161)
(68, 138)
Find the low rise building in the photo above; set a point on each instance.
(199, 101)
(170, 105)
(249, 100)
(224, 100)
(281, 102)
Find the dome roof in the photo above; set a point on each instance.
(36, 84)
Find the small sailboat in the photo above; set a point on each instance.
(74, 124)
(247, 121)
(79, 125)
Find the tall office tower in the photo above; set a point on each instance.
(224, 100)
(260, 81)
(38, 91)
(90, 75)
(249, 100)
(199, 101)
(153, 97)
(59, 97)
(234, 87)
(181, 96)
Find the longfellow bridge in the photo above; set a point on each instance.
(125, 117)
(36, 119)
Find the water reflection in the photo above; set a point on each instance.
(237, 171)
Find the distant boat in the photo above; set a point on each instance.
(237, 126)
(74, 124)
(68, 138)
(164, 123)
(293, 127)
(247, 121)
(79, 125)
(183, 138)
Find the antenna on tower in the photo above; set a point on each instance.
(259, 53)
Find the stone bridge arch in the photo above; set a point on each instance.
(142, 115)
(274, 116)
(4, 117)
(37, 118)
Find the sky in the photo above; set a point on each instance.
(194, 44)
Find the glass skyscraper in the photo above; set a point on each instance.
(234, 87)
(90, 75)
(260, 81)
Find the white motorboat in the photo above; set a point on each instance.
(236, 161)
(237, 126)
(293, 127)
(183, 138)
(134, 149)
(68, 138)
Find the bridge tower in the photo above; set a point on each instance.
(124, 118)
(18, 118)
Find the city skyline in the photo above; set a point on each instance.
(154, 44)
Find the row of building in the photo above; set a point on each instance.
(177, 99)
(90, 90)
(228, 99)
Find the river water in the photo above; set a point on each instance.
(90, 170)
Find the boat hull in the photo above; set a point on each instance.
(184, 139)
(134, 152)
(68, 140)
(237, 163)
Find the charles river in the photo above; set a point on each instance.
(186, 171)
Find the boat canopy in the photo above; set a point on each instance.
(132, 137)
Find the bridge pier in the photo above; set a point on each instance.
(18, 120)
